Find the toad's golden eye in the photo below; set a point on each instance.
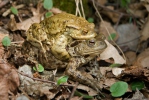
(91, 42)
(84, 33)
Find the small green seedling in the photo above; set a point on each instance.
(48, 14)
(137, 85)
(48, 4)
(124, 3)
(112, 36)
(39, 69)
(77, 93)
(115, 65)
(118, 88)
(14, 10)
(6, 41)
(90, 20)
(62, 79)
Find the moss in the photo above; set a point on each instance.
(70, 6)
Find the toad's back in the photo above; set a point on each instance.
(59, 22)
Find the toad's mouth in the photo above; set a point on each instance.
(83, 48)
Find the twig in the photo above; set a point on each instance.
(46, 81)
(73, 91)
(8, 11)
(82, 9)
(3, 3)
(107, 29)
(77, 8)
(107, 9)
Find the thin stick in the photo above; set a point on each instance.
(46, 81)
(77, 8)
(73, 91)
(82, 9)
(107, 29)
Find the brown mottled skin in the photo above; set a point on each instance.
(64, 41)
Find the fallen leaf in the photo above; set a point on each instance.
(137, 96)
(111, 52)
(117, 71)
(102, 29)
(109, 81)
(89, 90)
(145, 31)
(113, 16)
(102, 2)
(143, 59)
(9, 80)
(130, 57)
(138, 9)
(23, 25)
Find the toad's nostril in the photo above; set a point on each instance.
(101, 43)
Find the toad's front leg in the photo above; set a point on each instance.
(71, 70)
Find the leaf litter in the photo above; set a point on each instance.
(135, 68)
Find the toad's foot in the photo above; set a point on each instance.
(78, 76)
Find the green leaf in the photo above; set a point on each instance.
(6, 41)
(48, 4)
(112, 35)
(90, 20)
(137, 85)
(39, 69)
(14, 10)
(124, 3)
(48, 14)
(77, 93)
(118, 88)
(62, 80)
(115, 65)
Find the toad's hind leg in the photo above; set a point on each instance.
(78, 76)
(36, 36)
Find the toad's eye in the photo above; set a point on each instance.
(84, 33)
(91, 42)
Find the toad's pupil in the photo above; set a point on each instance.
(91, 42)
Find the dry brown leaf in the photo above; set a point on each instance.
(13, 25)
(89, 90)
(143, 59)
(76, 98)
(145, 31)
(110, 28)
(103, 70)
(9, 80)
(113, 16)
(55, 10)
(27, 23)
(102, 2)
(147, 7)
(3, 33)
(138, 10)
(137, 96)
(117, 71)
(109, 81)
(111, 52)
(118, 99)
(4, 88)
(23, 25)
(130, 57)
